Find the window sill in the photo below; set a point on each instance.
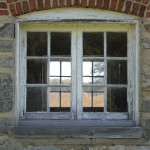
(81, 129)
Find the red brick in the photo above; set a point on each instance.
(40, 4)
(92, 3)
(148, 14)
(148, 8)
(19, 8)
(25, 6)
(84, 3)
(142, 11)
(139, 1)
(76, 2)
(3, 5)
(15, 0)
(106, 4)
(135, 8)
(47, 4)
(32, 5)
(120, 5)
(12, 9)
(9, 1)
(128, 6)
(145, 2)
(113, 5)
(55, 3)
(62, 3)
(4, 12)
(99, 4)
(68, 3)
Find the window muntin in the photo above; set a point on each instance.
(74, 90)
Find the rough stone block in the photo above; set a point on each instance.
(42, 148)
(146, 43)
(5, 124)
(147, 27)
(6, 86)
(6, 45)
(6, 93)
(147, 134)
(147, 124)
(7, 30)
(6, 105)
(146, 106)
(6, 61)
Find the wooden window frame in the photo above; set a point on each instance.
(108, 127)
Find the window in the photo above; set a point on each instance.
(77, 71)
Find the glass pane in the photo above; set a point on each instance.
(36, 44)
(60, 99)
(93, 99)
(54, 68)
(54, 99)
(66, 68)
(60, 43)
(36, 99)
(54, 80)
(98, 80)
(117, 100)
(87, 68)
(87, 80)
(93, 44)
(117, 72)
(116, 44)
(98, 68)
(66, 80)
(37, 71)
(65, 100)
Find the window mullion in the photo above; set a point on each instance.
(105, 72)
(48, 72)
(73, 74)
(79, 81)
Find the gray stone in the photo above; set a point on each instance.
(7, 30)
(42, 148)
(6, 62)
(146, 43)
(6, 45)
(5, 124)
(147, 124)
(146, 106)
(6, 105)
(6, 86)
(147, 27)
(147, 134)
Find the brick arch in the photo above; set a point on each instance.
(18, 7)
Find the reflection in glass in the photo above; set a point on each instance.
(36, 99)
(66, 80)
(66, 68)
(117, 72)
(93, 44)
(87, 68)
(117, 44)
(60, 99)
(87, 80)
(98, 80)
(54, 68)
(98, 68)
(37, 71)
(36, 44)
(60, 44)
(54, 80)
(93, 99)
(117, 100)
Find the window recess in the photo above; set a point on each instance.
(77, 73)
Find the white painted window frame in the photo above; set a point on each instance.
(131, 27)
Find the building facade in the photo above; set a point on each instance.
(75, 75)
